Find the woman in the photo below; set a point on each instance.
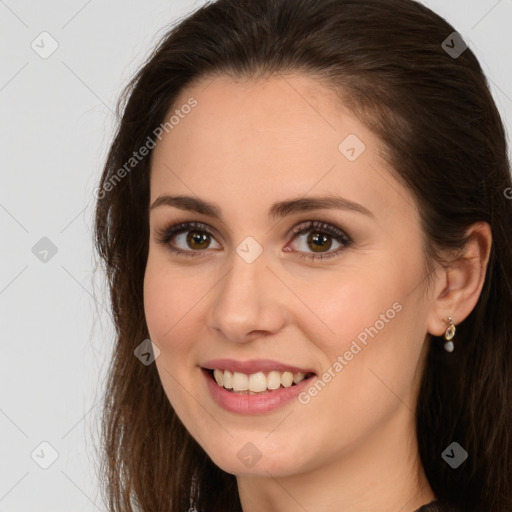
(304, 220)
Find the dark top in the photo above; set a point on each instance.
(435, 506)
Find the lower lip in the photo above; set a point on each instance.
(253, 404)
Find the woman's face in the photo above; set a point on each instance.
(245, 288)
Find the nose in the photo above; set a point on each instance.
(249, 301)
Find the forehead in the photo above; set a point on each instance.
(251, 111)
(271, 138)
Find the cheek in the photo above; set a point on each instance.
(369, 348)
(348, 307)
(365, 387)
(167, 309)
(168, 305)
(158, 304)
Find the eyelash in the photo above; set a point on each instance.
(165, 235)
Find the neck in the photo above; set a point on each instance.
(382, 473)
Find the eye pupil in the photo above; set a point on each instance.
(202, 239)
(318, 239)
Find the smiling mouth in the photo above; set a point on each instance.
(257, 383)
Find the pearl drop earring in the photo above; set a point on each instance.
(448, 336)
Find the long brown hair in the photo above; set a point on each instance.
(446, 142)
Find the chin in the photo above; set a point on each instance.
(256, 459)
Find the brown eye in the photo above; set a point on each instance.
(197, 237)
(193, 238)
(319, 241)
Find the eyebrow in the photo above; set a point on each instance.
(277, 210)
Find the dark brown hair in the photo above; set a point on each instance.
(446, 142)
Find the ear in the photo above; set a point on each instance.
(458, 288)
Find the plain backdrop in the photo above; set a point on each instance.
(63, 66)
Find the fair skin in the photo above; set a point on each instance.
(246, 145)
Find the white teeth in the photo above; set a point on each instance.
(298, 377)
(219, 377)
(228, 379)
(273, 380)
(287, 379)
(240, 382)
(256, 382)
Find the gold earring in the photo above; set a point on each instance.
(448, 336)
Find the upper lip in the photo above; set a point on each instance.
(253, 366)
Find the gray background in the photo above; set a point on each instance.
(56, 124)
